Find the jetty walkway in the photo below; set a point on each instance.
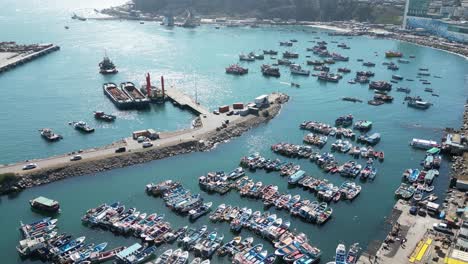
(12, 59)
(184, 101)
(211, 126)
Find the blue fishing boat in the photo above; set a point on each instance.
(69, 246)
(293, 179)
(414, 175)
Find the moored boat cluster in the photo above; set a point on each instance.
(179, 199)
(150, 228)
(42, 240)
(418, 182)
(289, 246)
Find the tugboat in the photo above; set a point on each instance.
(48, 134)
(82, 126)
(106, 66)
(103, 116)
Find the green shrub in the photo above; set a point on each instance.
(7, 177)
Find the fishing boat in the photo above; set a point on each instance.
(236, 70)
(290, 55)
(340, 255)
(268, 70)
(344, 70)
(100, 115)
(75, 243)
(99, 257)
(297, 70)
(30, 246)
(380, 85)
(329, 77)
(370, 139)
(405, 191)
(199, 211)
(393, 67)
(419, 104)
(294, 178)
(286, 43)
(270, 52)
(404, 90)
(183, 258)
(424, 144)
(244, 57)
(164, 257)
(368, 64)
(49, 135)
(363, 125)
(83, 126)
(403, 61)
(344, 121)
(353, 254)
(393, 54)
(397, 77)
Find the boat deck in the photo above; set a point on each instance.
(185, 101)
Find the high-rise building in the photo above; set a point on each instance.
(418, 8)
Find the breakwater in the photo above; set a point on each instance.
(202, 142)
(15, 55)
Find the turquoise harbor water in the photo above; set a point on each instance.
(65, 86)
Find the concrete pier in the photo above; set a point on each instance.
(415, 231)
(11, 59)
(213, 129)
(185, 101)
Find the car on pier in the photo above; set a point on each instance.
(30, 166)
(147, 144)
(76, 157)
(120, 150)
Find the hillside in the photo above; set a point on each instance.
(311, 10)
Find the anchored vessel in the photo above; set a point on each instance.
(138, 98)
(103, 116)
(44, 204)
(106, 66)
(48, 134)
(120, 99)
(83, 126)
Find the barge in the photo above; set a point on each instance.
(120, 99)
(138, 98)
(44, 204)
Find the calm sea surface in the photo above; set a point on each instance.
(65, 86)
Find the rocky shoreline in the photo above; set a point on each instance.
(205, 143)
